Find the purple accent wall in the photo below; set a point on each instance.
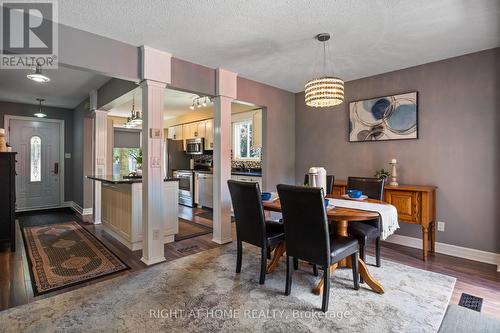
(458, 147)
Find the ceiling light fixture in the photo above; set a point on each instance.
(135, 118)
(200, 101)
(38, 76)
(40, 114)
(324, 91)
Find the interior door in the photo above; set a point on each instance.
(38, 165)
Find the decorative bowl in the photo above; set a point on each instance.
(266, 196)
(355, 194)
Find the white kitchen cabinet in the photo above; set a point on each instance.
(209, 134)
(249, 179)
(257, 129)
(175, 132)
(190, 131)
(205, 186)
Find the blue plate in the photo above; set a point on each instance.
(266, 196)
(355, 194)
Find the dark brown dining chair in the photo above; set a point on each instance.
(251, 225)
(330, 180)
(307, 236)
(366, 231)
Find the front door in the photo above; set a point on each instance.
(38, 167)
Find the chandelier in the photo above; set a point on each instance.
(135, 118)
(324, 91)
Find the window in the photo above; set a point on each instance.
(35, 159)
(242, 141)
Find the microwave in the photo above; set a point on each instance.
(194, 146)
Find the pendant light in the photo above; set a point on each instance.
(324, 91)
(38, 76)
(40, 114)
(135, 118)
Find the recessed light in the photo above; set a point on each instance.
(38, 76)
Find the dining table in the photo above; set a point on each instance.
(339, 218)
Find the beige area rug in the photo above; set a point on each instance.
(202, 293)
(64, 254)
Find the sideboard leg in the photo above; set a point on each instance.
(425, 238)
(433, 237)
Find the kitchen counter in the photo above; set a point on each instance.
(119, 179)
(234, 173)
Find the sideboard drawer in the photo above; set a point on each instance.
(407, 203)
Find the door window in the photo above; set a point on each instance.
(35, 159)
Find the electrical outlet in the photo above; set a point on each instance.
(440, 226)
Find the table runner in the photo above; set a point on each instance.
(388, 213)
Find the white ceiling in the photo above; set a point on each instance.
(273, 41)
(66, 89)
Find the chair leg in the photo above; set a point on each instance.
(377, 251)
(263, 265)
(326, 288)
(315, 270)
(289, 272)
(295, 263)
(239, 254)
(355, 274)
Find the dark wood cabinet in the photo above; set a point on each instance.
(8, 198)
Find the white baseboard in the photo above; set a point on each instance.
(77, 208)
(452, 250)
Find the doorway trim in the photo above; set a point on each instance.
(6, 122)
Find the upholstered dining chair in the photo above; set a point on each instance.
(366, 231)
(330, 180)
(307, 236)
(251, 225)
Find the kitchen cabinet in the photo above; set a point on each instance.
(194, 130)
(209, 134)
(257, 129)
(175, 132)
(249, 179)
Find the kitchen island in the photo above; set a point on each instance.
(121, 209)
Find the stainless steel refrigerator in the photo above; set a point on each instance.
(175, 157)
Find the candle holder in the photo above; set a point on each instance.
(394, 175)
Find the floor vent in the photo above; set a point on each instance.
(471, 302)
(187, 249)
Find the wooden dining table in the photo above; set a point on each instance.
(339, 218)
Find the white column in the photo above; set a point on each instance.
(152, 175)
(226, 91)
(100, 144)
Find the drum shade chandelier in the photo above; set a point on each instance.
(324, 91)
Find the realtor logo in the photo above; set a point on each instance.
(29, 34)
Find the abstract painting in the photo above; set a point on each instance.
(384, 118)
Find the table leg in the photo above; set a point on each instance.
(425, 239)
(318, 290)
(433, 237)
(278, 252)
(341, 230)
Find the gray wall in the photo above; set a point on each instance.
(82, 155)
(27, 110)
(458, 149)
(278, 129)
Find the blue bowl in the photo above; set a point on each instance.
(355, 194)
(327, 202)
(266, 196)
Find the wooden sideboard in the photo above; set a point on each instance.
(416, 204)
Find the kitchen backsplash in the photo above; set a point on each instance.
(234, 163)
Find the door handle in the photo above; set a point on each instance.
(56, 168)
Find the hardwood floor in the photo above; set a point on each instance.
(474, 278)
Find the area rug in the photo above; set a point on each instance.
(64, 254)
(189, 229)
(202, 293)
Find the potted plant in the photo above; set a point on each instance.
(137, 156)
(382, 174)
